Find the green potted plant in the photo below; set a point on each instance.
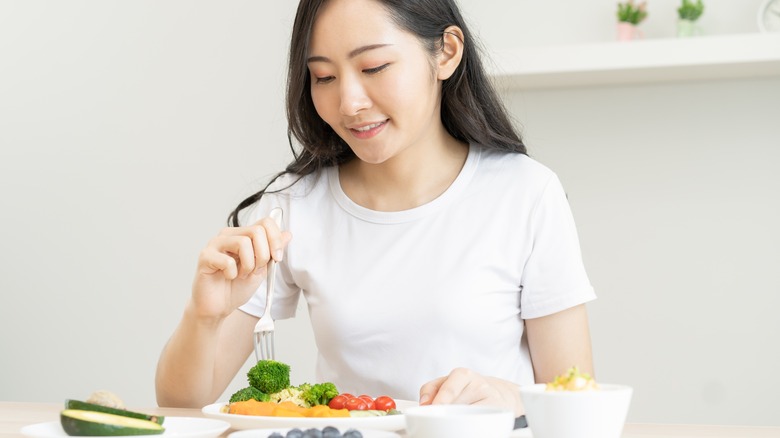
(688, 12)
(629, 15)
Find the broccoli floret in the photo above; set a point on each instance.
(249, 393)
(269, 376)
(319, 393)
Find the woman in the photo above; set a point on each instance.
(437, 259)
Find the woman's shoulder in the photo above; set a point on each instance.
(513, 165)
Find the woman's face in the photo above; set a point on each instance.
(372, 82)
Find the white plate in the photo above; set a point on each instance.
(389, 422)
(189, 427)
(263, 433)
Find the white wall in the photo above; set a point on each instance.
(675, 193)
(514, 23)
(128, 130)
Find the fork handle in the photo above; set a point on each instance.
(276, 214)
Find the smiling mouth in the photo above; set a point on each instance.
(369, 127)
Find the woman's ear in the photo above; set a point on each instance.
(451, 52)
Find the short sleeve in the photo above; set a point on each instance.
(554, 277)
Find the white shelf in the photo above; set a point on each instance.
(639, 61)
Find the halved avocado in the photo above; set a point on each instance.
(84, 406)
(92, 423)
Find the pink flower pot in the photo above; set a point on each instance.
(628, 32)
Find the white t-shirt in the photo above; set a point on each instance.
(399, 298)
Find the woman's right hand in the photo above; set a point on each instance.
(232, 266)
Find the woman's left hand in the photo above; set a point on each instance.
(465, 386)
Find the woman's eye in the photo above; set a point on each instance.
(323, 80)
(374, 70)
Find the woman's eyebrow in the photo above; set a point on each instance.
(350, 55)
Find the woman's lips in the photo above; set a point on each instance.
(368, 131)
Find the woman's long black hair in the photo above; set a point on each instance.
(471, 110)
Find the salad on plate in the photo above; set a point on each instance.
(270, 400)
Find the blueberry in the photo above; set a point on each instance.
(294, 433)
(352, 433)
(312, 433)
(330, 432)
(276, 435)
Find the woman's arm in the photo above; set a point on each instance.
(201, 359)
(214, 338)
(556, 342)
(559, 341)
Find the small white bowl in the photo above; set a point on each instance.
(458, 421)
(598, 413)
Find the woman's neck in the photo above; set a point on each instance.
(413, 178)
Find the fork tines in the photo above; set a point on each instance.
(264, 345)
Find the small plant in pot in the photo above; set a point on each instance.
(688, 12)
(629, 15)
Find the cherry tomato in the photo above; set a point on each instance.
(348, 395)
(384, 403)
(369, 401)
(356, 404)
(338, 401)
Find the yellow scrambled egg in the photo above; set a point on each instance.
(572, 380)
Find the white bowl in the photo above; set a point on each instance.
(598, 413)
(458, 421)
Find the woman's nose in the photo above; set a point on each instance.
(353, 98)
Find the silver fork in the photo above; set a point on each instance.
(264, 329)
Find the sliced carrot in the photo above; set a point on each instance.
(318, 411)
(339, 412)
(252, 407)
(282, 412)
(290, 406)
(283, 409)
